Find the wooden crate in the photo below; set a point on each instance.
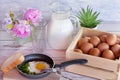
(97, 67)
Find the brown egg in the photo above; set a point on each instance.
(108, 54)
(87, 37)
(103, 46)
(85, 47)
(94, 52)
(118, 40)
(94, 40)
(115, 49)
(103, 38)
(81, 41)
(78, 50)
(118, 54)
(111, 39)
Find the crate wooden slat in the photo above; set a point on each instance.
(99, 64)
(93, 72)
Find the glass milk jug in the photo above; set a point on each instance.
(61, 29)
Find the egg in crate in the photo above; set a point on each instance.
(37, 66)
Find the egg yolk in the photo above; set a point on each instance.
(40, 66)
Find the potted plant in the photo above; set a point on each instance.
(88, 18)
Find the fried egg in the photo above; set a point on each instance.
(37, 66)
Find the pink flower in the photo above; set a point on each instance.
(22, 30)
(33, 15)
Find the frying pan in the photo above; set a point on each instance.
(48, 60)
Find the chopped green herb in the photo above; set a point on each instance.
(25, 68)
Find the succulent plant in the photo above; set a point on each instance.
(88, 17)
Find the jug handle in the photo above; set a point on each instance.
(76, 24)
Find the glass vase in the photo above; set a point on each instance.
(39, 39)
(19, 42)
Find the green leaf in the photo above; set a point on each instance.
(88, 17)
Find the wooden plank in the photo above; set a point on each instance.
(17, 76)
(95, 61)
(12, 45)
(118, 77)
(5, 36)
(92, 72)
(72, 76)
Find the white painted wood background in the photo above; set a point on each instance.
(109, 9)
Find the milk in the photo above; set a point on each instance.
(60, 31)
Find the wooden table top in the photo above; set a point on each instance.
(58, 56)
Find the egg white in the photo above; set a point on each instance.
(32, 66)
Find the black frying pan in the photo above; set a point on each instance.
(49, 60)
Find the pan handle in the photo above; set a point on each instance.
(71, 62)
